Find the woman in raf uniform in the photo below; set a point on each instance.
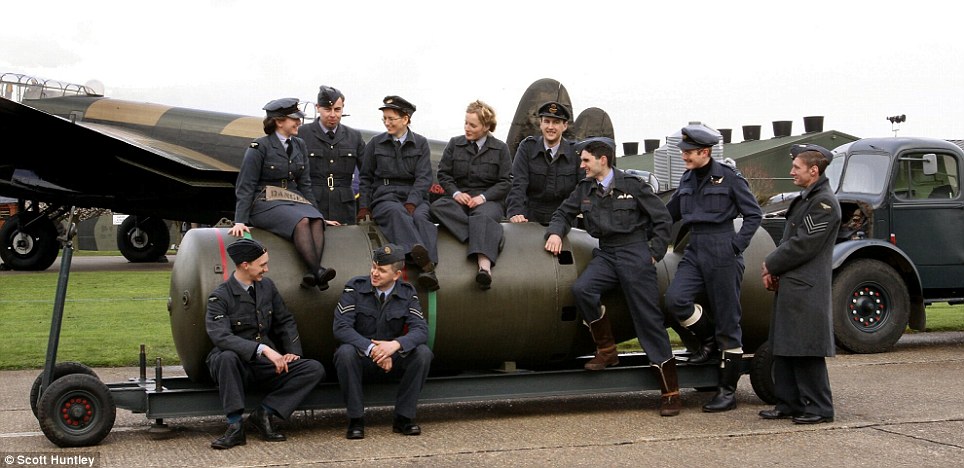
(273, 190)
(474, 171)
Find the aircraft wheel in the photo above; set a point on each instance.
(143, 239)
(30, 248)
(76, 411)
(761, 374)
(60, 370)
(871, 306)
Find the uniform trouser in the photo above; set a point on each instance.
(406, 230)
(478, 226)
(338, 204)
(411, 369)
(629, 267)
(709, 265)
(285, 391)
(802, 385)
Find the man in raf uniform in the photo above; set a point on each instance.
(334, 157)
(382, 332)
(545, 169)
(633, 227)
(255, 342)
(710, 195)
(800, 270)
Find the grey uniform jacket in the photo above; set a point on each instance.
(801, 324)
(359, 318)
(487, 172)
(266, 163)
(402, 174)
(539, 185)
(333, 164)
(235, 323)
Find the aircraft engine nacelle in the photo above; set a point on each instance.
(528, 317)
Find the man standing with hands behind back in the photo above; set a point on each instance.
(800, 271)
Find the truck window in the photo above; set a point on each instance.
(865, 173)
(914, 183)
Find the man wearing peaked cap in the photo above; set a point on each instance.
(379, 344)
(395, 178)
(801, 326)
(545, 168)
(710, 195)
(334, 158)
(268, 351)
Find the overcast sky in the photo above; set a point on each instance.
(653, 66)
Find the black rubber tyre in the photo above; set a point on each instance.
(32, 249)
(871, 306)
(761, 374)
(60, 370)
(143, 239)
(77, 410)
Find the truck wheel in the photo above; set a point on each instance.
(76, 411)
(761, 374)
(60, 370)
(871, 306)
(143, 239)
(33, 248)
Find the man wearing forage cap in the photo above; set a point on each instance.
(382, 331)
(255, 340)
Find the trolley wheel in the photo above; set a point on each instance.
(761, 374)
(60, 370)
(77, 410)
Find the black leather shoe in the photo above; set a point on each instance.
(308, 280)
(356, 428)
(233, 436)
(405, 426)
(262, 422)
(420, 257)
(428, 280)
(323, 276)
(484, 279)
(775, 414)
(812, 419)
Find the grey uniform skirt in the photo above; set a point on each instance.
(280, 217)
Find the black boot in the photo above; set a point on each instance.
(233, 436)
(261, 421)
(705, 332)
(725, 398)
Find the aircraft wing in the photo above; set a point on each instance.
(51, 159)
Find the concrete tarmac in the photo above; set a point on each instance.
(901, 408)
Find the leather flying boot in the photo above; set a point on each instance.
(705, 332)
(669, 402)
(261, 421)
(602, 334)
(725, 398)
(233, 436)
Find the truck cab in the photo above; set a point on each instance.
(899, 247)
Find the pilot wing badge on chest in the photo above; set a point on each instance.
(625, 195)
(716, 180)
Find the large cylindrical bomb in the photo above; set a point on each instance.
(528, 317)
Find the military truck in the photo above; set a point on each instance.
(900, 245)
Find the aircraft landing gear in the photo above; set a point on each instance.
(143, 239)
(28, 241)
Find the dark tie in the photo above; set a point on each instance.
(288, 146)
(331, 134)
(381, 298)
(475, 147)
(251, 292)
(549, 153)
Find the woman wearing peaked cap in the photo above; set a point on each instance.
(475, 174)
(395, 177)
(273, 190)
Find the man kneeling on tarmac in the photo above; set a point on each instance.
(255, 341)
